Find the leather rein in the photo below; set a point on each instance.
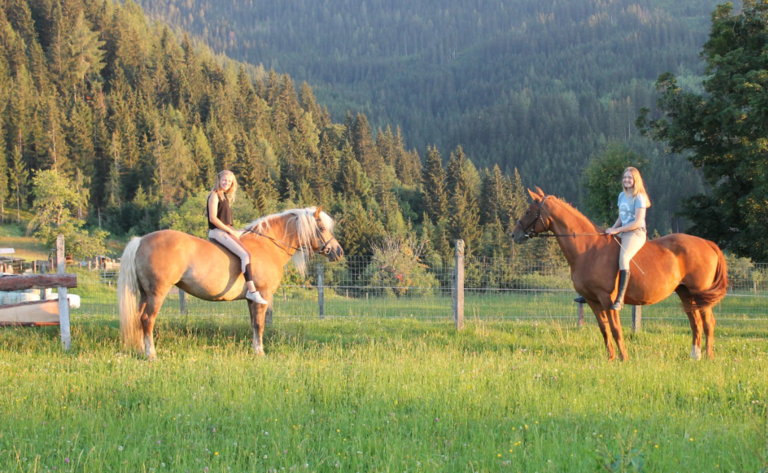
(534, 234)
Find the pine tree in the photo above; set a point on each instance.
(18, 177)
(434, 184)
(464, 210)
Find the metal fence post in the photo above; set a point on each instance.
(582, 322)
(320, 291)
(61, 262)
(637, 319)
(268, 317)
(458, 287)
(182, 301)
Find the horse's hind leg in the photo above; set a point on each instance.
(151, 307)
(697, 330)
(708, 319)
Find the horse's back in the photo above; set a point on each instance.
(700, 262)
(168, 256)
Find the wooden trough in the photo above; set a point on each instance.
(33, 312)
(47, 312)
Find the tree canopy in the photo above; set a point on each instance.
(724, 130)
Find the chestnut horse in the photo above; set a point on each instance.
(692, 267)
(154, 263)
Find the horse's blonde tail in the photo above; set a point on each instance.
(131, 331)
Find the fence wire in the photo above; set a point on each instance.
(363, 286)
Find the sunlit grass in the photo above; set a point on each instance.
(366, 394)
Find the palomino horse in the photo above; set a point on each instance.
(154, 263)
(692, 267)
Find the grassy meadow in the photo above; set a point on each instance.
(373, 394)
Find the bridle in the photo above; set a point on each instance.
(324, 249)
(532, 226)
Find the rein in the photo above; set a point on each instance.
(324, 249)
(545, 235)
(533, 234)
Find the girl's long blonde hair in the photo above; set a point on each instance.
(232, 192)
(639, 188)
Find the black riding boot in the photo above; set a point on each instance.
(623, 283)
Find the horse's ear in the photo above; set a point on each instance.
(534, 196)
(541, 192)
(318, 210)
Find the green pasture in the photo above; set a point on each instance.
(381, 394)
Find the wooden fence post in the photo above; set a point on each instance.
(320, 291)
(458, 287)
(182, 301)
(582, 322)
(637, 319)
(61, 262)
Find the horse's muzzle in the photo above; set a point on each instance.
(518, 235)
(334, 253)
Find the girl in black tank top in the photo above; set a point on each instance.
(220, 230)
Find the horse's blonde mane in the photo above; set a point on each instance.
(302, 223)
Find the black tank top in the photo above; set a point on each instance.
(224, 213)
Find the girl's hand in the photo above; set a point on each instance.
(610, 231)
(237, 233)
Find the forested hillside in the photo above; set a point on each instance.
(137, 122)
(535, 85)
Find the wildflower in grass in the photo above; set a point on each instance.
(215, 454)
(119, 448)
(66, 460)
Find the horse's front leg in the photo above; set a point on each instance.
(258, 319)
(602, 322)
(618, 333)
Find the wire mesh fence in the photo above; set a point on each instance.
(360, 286)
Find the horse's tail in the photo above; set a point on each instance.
(131, 331)
(716, 292)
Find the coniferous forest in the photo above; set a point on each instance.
(537, 86)
(137, 118)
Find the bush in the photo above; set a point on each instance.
(395, 266)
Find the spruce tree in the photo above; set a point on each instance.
(434, 185)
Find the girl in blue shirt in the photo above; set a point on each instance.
(630, 226)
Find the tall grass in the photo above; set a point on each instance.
(363, 394)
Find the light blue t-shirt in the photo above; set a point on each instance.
(627, 207)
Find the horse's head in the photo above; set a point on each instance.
(325, 243)
(531, 223)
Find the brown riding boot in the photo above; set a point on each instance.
(623, 283)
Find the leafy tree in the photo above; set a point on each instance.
(602, 181)
(56, 198)
(724, 130)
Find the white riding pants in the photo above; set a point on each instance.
(232, 244)
(631, 242)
